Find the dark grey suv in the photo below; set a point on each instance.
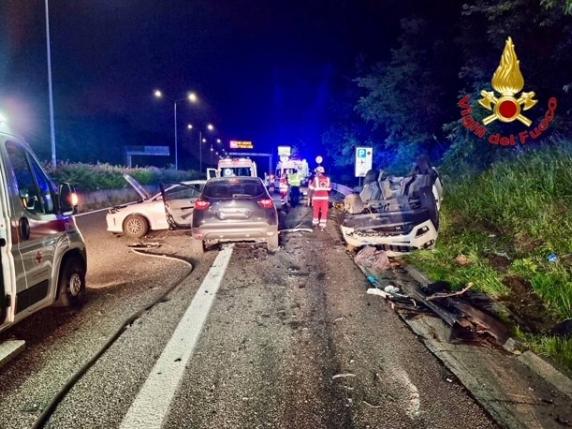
(234, 209)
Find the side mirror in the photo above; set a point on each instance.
(68, 199)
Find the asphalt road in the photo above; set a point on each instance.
(292, 341)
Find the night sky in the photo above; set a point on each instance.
(265, 70)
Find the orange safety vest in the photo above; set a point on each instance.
(321, 188)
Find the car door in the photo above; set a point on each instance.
(180, 202)
(37, 226)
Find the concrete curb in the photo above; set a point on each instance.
(10, 349)
(539, 366)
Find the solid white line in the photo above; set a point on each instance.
(151, 406)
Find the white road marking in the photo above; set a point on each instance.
(151, 406)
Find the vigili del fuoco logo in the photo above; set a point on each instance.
(507, 103)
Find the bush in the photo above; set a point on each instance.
(522, 208)
(89, 177)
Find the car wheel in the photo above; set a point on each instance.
(135, 226)
(71, 283)
(272, 243)
(197, 247)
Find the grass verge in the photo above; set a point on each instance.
(512, 224)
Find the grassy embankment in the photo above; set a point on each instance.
(507, 221)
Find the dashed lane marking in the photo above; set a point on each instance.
(151, 406)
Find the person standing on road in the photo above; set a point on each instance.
(283, 188)
(320, 188)
(295, 181)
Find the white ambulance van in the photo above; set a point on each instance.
(231, 167)
(42, 252)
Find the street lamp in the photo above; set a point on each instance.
(202, 140)
(192, 98)
(219, 141)
(50, 88)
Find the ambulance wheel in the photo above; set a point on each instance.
(197, 247)
(135, 226)
(72, 282)
(272, 243)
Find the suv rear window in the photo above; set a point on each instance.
(234, 188)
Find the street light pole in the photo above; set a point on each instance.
(200, 150)
(50, 89)
(176, 143)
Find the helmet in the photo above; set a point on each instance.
(320, 169)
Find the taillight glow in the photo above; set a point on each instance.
(74, 199)
(202, 205)
(266, 203)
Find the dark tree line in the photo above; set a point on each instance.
(407, 104)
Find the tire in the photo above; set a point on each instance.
(272, 243)
(71, 284)
(135, 226)
(197, 247)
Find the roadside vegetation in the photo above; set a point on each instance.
(508, 230)
(89, 177)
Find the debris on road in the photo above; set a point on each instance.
(343, 375)
(379, 292)
(439, 295)
(293, 230)
(145, 245)
(373, 260)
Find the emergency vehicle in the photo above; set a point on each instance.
(42, 252)
(288, 166)
(230, 167)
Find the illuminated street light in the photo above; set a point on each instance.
(218, 141)
(210, 127)
(212, 149)
(204, 140)
(192, 98)
(189, 127)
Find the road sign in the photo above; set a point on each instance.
(241, 144)
(364, 161)
(284, 151)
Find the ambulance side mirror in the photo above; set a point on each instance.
(68, 199)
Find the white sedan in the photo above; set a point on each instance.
(173, 207)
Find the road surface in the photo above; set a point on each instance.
(291, 341)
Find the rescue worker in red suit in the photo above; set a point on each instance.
(283, 189)
(320, 188)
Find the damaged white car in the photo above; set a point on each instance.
(396, 214)
(172, 207)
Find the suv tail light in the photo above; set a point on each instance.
(266, 203)
(202, 205)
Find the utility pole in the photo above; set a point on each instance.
(176, 143)
(50, 89)
(200, 151)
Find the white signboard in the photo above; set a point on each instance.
(284, 151)
(364, 161)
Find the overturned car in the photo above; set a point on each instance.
(396, 214)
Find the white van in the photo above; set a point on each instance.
(231, 167)
(42, 252)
